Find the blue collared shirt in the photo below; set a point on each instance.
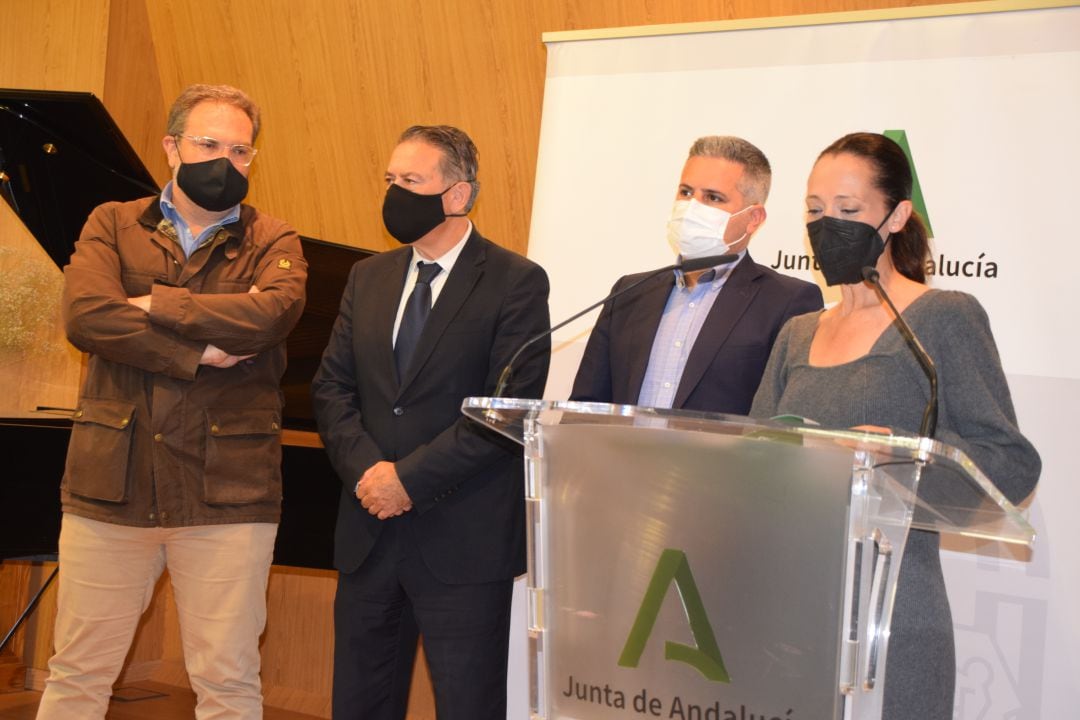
(680, 325)
(183, 233)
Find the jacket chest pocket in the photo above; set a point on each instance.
(100, 450)
(144, 261)
(137, 283)
(243, 456)
(226, 275)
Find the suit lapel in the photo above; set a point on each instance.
(386, 286)
(463, 277)
(731, 303)
(646, 311)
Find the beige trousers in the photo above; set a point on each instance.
(107, 576)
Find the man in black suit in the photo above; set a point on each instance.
(699, 341)
(431, 524)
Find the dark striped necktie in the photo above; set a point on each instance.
(417, 309)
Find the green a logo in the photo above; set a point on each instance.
(705, 658)
(917, 200)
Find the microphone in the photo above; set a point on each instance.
(929, 420)
(685, 265)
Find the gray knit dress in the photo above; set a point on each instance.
(887, 387)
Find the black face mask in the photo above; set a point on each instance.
(409, 216)
(844, 247)
(214, 185)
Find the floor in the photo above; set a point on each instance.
(146, 701)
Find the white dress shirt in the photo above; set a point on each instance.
(446, 262)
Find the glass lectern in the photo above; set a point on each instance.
(710, 567)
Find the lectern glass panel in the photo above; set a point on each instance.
(689, 565)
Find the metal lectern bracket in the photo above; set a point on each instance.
(881, 564)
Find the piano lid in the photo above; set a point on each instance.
(329, 265)
(62, 155)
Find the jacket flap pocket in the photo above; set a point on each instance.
(225, 422)
(99, 452)
(116, 414)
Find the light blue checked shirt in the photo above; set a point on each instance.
(183, 232)
(680, 324)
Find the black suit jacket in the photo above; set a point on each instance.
(728, 358)
(465, 481)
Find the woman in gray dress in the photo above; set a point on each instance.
(848, 366)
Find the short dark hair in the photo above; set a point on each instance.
(910, 245)
(757, 173)
(459, 162)
(195, 94)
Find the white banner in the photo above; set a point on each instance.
(989, 104)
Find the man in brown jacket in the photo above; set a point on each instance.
(183, 302)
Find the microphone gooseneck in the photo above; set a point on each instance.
(685, 265)
(930, 413)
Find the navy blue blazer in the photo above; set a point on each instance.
(728, 358)
(465, 481)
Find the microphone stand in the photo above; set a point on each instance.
(930, 414)
(684, 265)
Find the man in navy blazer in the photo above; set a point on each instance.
(431, 523)
(699, 341)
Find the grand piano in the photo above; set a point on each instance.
(61, 155)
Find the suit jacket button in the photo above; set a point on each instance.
(399, 411)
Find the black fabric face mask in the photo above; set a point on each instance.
(214, 185)
(409, 216)
(844, 247)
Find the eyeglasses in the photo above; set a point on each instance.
(208, 148)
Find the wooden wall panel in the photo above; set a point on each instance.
(338, 80)
(15, 592)
(133, 84)
(34, 640)
(54, 44)
(297, 647)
